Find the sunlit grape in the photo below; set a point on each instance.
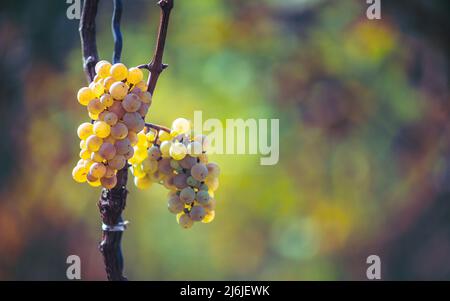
(181, 126)
(151, 136)
(102, 68)
(107, 82)
(164, 136)
(83, 144)
(93, 116)
(140, 154)
(85, 154)
(85, 95)
(109, 172)
(85, 130)
(133, 137)
(194, 149)
(199, 171)
(96, 157)
(149, 165)
(93, 143)
(138, 172)
(119, 71)
(135, 75)
(142, 140)
(203, 158)
(131, 103)
(79, 173)
(178, 151)
(118, 90)
(174, 204)
(165, 149)
(213, 183)
(95, 106)
(141, 86)
(107, 151)
(209, 217)
(143, 183)
(97, 88)
(97, 170)
(119, 131)
(106, 100)
(118, 162)
(101, 129)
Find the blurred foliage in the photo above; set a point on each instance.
(364, 120)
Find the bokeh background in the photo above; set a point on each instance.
(365, 140)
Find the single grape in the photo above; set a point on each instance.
(130, 153)
(96, 183)
(213, 183)
(178, 151)
(165, 149)
(164, 136)
(164, 166)
(149, 165)
(122, 146)
(143, 110)
(101, 129)
(185, 221)
(192, 182)
(83, 144)
(118, 162)
(181, 126)
(154, 152)
(175, 205)
(197, 213)
(85, 95)
(199, 172)
(146, 97)
(118, 90)
(109, 183)
(134, 121)
(131, 103)
(102, 68)
(187, 195)
(188, 162)
(93, 143)
(213, 169)
(141, 86)
(203, 158)
(151, 136)
(194, 149)
(202, 197)
(203, 187)
(107, 82)
(140, 154)
(110, 118)
(79, 173)
(135, 75)
(97, 170)
(95, 106)
(119, 71)
(110, 172)
(119, 131)
(107, 151)
(106, 100)
(96, 157)
(85, 130)
(180, 181)
(133, 137)
(97, 88)
(138, 172)
(93, 116)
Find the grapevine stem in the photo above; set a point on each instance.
(157, 127)
(117, 35)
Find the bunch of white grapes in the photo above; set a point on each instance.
(117, 101)
(177, 159)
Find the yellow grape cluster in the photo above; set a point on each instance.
(178, 160)
(117, 101)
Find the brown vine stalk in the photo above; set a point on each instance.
(112, 201)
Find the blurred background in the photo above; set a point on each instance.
(364, 145)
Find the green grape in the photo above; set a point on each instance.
(107, 151)
(197, 213)
(187, 195)
(178, 151)
(85, 130)
(118, 90)
(119, 71)
(119, 131)
(135, 75)
(97, 88)
(203, 187)
(199, 171)
(164, 136)
(180, 181)
(181, 126)
(185, 221)
(202, 197)
(110, 182)
(131, 103)
(93, 143)
(85, 154)
(165, 149)
(154, 152)
(101, 129)
(97, 170)
(174, 204)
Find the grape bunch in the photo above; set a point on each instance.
(117, 101)
(178, 160)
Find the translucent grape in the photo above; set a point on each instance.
(97, 88)
(119, 131)
(101, 129)
(85, 95)
(96, 183)
(164, 136)
(197, 213)
(149, 166)
(102, 68)
(109, 172)
(143, 183)
(85, 130)
(213, 183)
(79, 173)
(83, 144)
(180, 181)
(97, 170)
(154, 152)
(85, 154)
(181, 126)
(178, 151)
(93, 143)
(140, 154)
(138, 172)
(135, 75)
(93, 116)
(194, 149)
(109, 182)
(107, 100)
(118, 162)
(95, 106)
(141, 86)
(107, 82)
(96, 157)
(151, 136)
(199, 171)
(118, 90)
(209, 217)
(142, 139)
(213, 169)
(165, 149)
(131, 103)
(187, 195)
(107, 151)
(119, 71)
(133, 137)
